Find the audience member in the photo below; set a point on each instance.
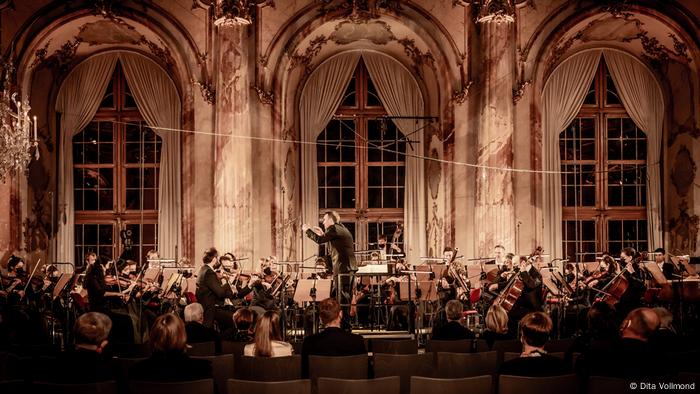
(601, 329)
(197, 332)
(496, 326)
(242, 330)
(169, 362)
(87, 363)
(665, 338)
(268, 338)
(453, 330)
(534, 360)
(333, 340)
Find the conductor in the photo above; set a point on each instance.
(342, 252)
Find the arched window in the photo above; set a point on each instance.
(361, 157)
(116, 167)
(604, 190)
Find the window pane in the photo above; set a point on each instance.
(372, 95)
(590, 96)
(624, 233)
(611, 95)
(350, 96)
(96, 238)
(579, 240)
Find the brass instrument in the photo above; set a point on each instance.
(462, 286)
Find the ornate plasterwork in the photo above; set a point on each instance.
(684, 230)
(683, 171)
(207, 90)
(265, 97)
(520, 90)
(348, 31)
(496, 11)
(358, 10)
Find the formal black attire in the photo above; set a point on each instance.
(535, 366)
(491, 337)
(630, 299)
(530, 299)
(80, 366)
(332, 341)
(96, 287)
(342, 250)
(452, 331)
(199, 333)
(630, 358)
(211, 293)
(668, 269)
(173, 366)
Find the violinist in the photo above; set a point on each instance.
(212, 290)
(600, 278)
(504, 272)
(231, 271)
(445, 287)
(531, 298)
(13, 282)
(96, 285)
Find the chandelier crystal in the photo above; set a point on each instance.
(18, 133)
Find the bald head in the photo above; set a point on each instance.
(640, 324)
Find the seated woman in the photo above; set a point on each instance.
(496, 326)
(169, 363)
(268, 338)
(242, 330)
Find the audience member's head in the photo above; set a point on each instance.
(665, 318)
(92, 330)
(194, 313)
(453, 310)
(497, 319)
(534, 329)
(243, 319)
(267, 329)
(168, 334)
(640, 324)
(330, 313)
(601, 320)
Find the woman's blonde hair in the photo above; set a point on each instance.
(168, 334)
(267, 329)
(497, 319)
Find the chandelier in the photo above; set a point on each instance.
(18, 134)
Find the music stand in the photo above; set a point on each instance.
(426, 287)
(687, 267)
(60, 285)
(655, 272)
(474, 274)
(309, 290)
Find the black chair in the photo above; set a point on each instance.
(480, 345)
(131, 350)
(288, 387)
(604, 384)
(204, 386)
(10, 367)
(394, 346)
(688, 377)
(460, 346)
(347, 367)
(201, 349)
(81, 388)
(269, 369)
(222, 368)
(123, 365)
(460, 365)
(475, 385)
(12, 387)
(388, 385)
(686, 361)
(35, 350)
(404, 366)
(235, 348)
(507, 356)
(508, 384)
(511, 345)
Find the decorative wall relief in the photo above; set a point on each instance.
(290, 172)
(358, 9)
(347, 32)
(435, 230)
(434, 172)
(684, 230)
(683, 171)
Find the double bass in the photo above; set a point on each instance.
(514, 288)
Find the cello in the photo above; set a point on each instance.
(617, 287)
(514, 288)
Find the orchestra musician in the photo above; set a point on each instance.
(386, 248)
(445, 287)
(666, 267)
(504, 273)
(342, 250)
(530, 299)
(96, 284)
(630, 299)
(212, 290)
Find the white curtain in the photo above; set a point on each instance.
(159, 103)
(401, 96)
(78, 100)
(641, 96)
(319, 100)
(562, 98)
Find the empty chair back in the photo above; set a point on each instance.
(404, 366)
(460, 346)
(201, 349)
(286, 387)
(230, 347)
(474, 385)
(604, 384)
(269, 369)
(394, 346)
(387, 385)
(481, 345)
(83, 388)
(508, 384)
(461, 365)
(204, 386)
(9, 366)
(222, 368)
(346, 367)
(12, 387)
(131, 350)
(512, 346)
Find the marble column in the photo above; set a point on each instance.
(233, 172)
(495, 213)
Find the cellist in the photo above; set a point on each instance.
(631, 298)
